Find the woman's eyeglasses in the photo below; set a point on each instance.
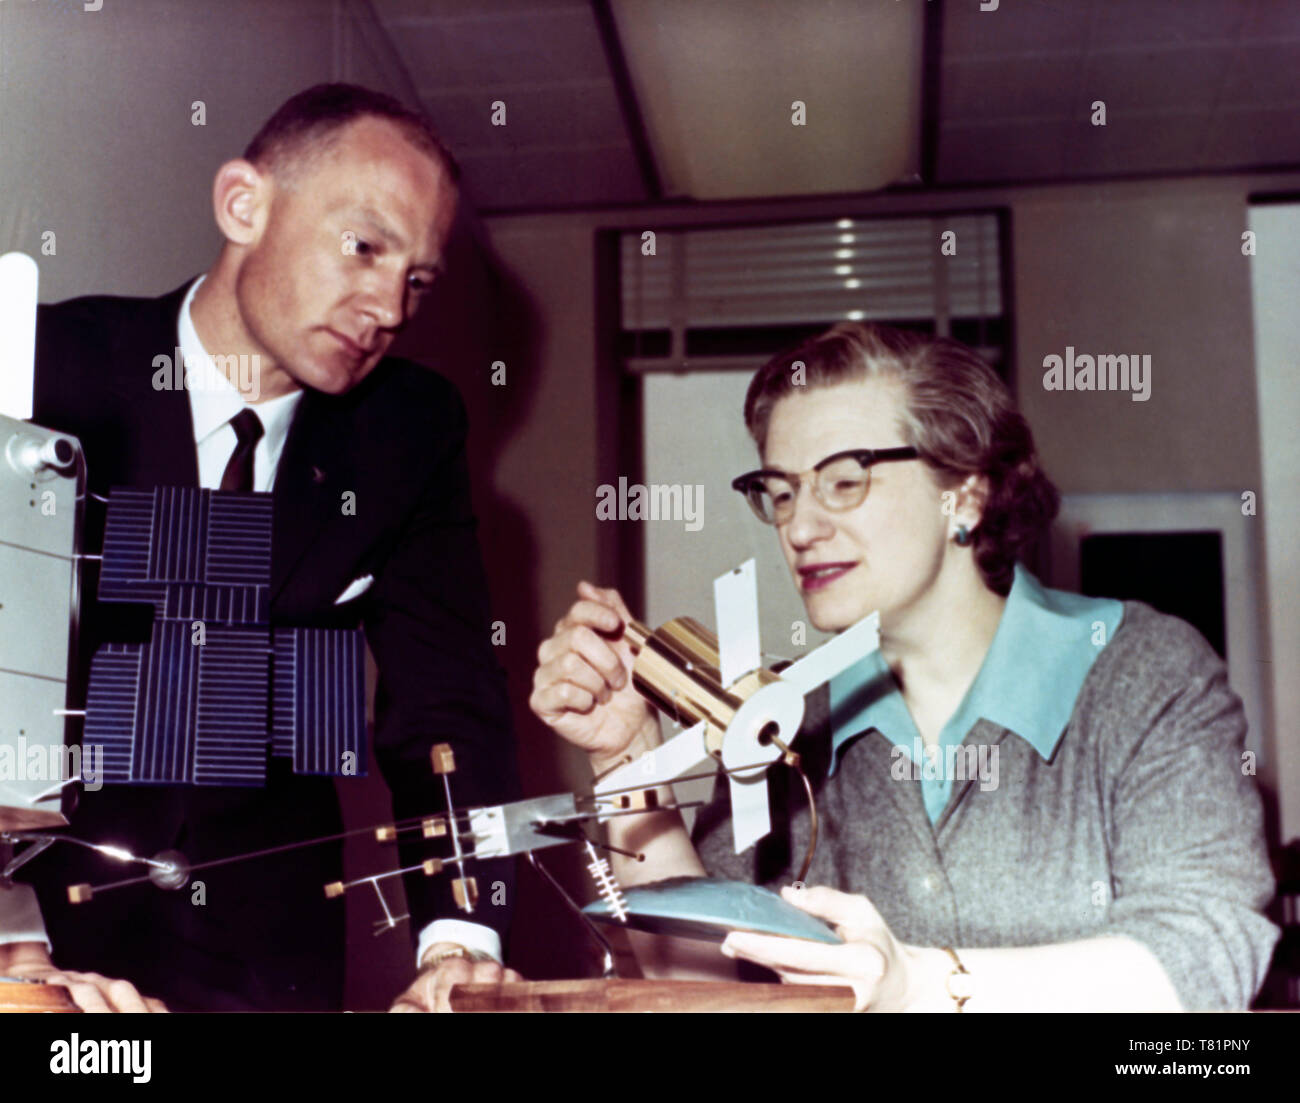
(839, 482)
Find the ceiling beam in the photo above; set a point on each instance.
(627, 101)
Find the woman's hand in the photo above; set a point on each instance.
(583, 684)
(885, 974)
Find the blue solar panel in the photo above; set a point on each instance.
(216, 544)
(329, 695)
(284, 665)
(232, 707)
(239, 541)
(128, 533)
(164, 722)
(111, 705)
(178, 536)
(176, 710)
(216, 604)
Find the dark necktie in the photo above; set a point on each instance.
(239, 471)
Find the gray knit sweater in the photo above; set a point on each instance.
(1145, 822)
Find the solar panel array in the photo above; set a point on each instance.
(232, 707)
(111, 706)
(215, 690)
(322, 670)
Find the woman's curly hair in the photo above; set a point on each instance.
(957, 413)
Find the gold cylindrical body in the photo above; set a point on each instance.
(676, 670)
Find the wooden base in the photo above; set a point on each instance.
(30, 819)
(21, 995)
(649, 995)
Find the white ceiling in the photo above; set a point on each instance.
(1189, 85)
(624, 101)
(565, 140)
(732, 111)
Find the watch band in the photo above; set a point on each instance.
(962, 991)
(433, 960)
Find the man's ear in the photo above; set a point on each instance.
(240, 196)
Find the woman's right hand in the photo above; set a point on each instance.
(583, 683)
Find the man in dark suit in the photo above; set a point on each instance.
(335, 220)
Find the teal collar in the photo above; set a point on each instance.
(1046, 642)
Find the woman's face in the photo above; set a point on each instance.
(887, 552)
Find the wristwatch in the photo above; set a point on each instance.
(433, 960)
(958, 985)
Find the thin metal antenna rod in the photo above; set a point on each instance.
(607, 954)
(458, 856)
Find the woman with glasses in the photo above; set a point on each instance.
(1028, 799)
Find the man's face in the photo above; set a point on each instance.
(350, 244)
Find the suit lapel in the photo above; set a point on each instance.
(315, 469)
(158, 441)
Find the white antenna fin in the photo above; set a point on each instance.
(750, 816)
(669, 760)
(735, 600)
(834, 656)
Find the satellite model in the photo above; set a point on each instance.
(743, 718)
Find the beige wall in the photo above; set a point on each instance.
(1146, 268)
(96, 131)
(95, 121)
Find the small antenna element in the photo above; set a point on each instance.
(608, 888)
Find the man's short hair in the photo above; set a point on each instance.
(305, 125)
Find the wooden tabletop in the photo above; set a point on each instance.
(649, 995)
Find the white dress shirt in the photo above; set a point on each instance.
(214, 400)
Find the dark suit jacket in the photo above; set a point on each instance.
(263, 935)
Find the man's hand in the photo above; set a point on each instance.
(431, 989)
(89, 991)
